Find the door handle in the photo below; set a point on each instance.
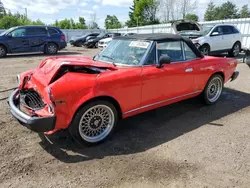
(189, 70)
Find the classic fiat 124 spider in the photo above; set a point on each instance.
(132, 75)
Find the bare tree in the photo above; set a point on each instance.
(187, 6)
(93, 21)
(167, 6)
(176, 9)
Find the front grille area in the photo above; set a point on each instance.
(31, 99)
(101, 42)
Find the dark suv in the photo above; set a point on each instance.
(23, 39)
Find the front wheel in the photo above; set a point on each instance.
(94, 122)
(205, 49)
(51, 49)
(3, 51)
(213, 89)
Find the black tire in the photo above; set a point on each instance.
(51, 48)
(210, 89)
(93, 123)
(96, 45)
(235, 50)
(3, 51)
(205, 49)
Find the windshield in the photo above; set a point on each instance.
(7, 31)
(124, 52)
(207, 29)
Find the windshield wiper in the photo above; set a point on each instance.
(110, 58)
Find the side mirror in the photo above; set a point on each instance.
(215, 34)
(9, 35)
(165, 59)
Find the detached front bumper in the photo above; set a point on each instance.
(235, 75)
(34, 123)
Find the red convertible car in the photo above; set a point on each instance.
(132, 75)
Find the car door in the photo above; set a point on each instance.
(37, 38)
(216, 39)
(171, 81)
(18, 41)
(228, 36)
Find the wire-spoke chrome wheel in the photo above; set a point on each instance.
(96, 123)
(214, 89)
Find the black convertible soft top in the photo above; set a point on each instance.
(163, 37)
(153, 36)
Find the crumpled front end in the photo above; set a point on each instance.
(30, 104)
(47, 97)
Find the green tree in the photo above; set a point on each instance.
(37, 22)
(210, 12)
(132, 22)
(227, 10)
(111, 22)
(192, 17)
(9, 21)
(81, 24)
(145, 11)
(2, 9)
(244, 12)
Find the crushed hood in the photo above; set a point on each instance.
(50, 66)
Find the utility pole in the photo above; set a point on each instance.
(26, 14)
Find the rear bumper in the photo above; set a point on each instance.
(62, 45)
(235, 75)
(34, 123)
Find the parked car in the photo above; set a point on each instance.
(94, 42)
(104, 42)
(24, 39)
(219, 38)
(79, 41)
(132, 75)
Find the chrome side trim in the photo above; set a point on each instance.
(199, 91)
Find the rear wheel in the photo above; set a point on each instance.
(3, 51)
(94, 122)
(213, 89)
(235, 50)
(51, 49)
(205, 49)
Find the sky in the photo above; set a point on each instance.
(50, 10)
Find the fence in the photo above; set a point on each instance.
(242, 24)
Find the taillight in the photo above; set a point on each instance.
(63, 37)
